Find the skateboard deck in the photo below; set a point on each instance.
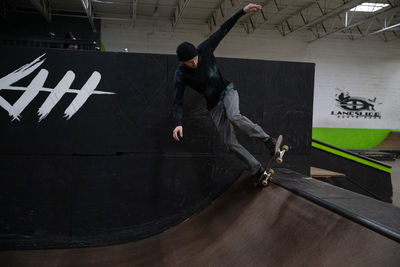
(266, 176)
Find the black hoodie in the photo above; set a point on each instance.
(206, 78)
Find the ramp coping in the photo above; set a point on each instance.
(376, 215)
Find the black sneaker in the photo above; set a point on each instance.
(256, 177)
(270, 144)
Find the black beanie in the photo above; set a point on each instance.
(186, 51)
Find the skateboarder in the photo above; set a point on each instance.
(198, 70)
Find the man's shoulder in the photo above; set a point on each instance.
(180, 68)
(180, 73)
(203, 47)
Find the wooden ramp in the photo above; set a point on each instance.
(390, 143)
(246, 226)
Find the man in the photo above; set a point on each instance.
(199, 71)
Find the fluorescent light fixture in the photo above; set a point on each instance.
(369, 7)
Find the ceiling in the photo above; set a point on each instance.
(324, 18)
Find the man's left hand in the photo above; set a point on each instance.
(252, 8)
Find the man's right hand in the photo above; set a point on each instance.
(178, 132)
(252, 8)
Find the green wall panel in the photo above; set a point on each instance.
(348, 138)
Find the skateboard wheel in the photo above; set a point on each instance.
(279, 160)
(285, 147)
(264, 182)
(271, 171)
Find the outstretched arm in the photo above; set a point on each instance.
(178, 103)
(178, 108)
(217, 36)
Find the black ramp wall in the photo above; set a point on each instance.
(87, 155)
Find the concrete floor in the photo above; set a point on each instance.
(395, 180)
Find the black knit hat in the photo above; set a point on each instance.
(186, 51)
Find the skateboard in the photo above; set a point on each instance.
(266, 176)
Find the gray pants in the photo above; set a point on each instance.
(226, 115)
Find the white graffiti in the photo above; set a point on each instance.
(36, 86)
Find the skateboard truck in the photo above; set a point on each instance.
(279, 159)
(266, 176)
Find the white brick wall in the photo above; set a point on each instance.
(365, 68)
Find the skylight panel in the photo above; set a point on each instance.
(369, 7)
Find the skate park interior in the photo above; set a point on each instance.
(95, 178)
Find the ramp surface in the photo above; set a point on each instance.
(391, 142)
(244, 227)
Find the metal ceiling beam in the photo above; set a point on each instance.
(384, 37)
(220, 14)
(385, 29)
(43, 7)
(393, 3)
(396, 35)
(179, 9)
(255, 19)
(281, 9)
(134, 11)
(368, 19)
(280, 26)
(323, 11)
(381, 33)
(304, 15)
(346, 6)
(87, 5)
(156, 16)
